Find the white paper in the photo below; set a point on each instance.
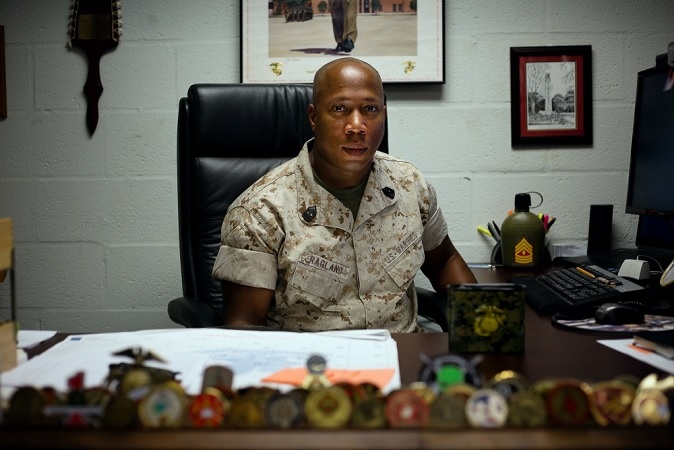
(31, 338)
(648, 356)
(252, 355)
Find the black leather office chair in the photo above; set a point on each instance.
(229, 135)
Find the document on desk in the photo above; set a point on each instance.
(252, 355)
(627, 347)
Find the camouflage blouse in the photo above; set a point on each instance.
(329, 269)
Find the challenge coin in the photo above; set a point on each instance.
(328, 407)
(612, 402)
(405, 408)
(448, 411)
(568, 403)
(651, 407)
(368, 412)
(526, 409)
(207, 410)
(164, 406)
(486, 408)
(284, 411)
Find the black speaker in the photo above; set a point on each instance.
(599, 235)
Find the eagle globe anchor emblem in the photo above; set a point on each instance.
(488, 319)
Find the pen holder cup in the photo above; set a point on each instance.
(496, 255)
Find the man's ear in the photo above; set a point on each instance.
(311, 112)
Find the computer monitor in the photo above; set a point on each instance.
(651, 174)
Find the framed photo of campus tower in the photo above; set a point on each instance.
(286, 41)
(551, 95)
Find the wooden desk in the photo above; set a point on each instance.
(549, 352)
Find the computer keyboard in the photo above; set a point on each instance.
(581, 285)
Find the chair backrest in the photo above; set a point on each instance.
(229, 135)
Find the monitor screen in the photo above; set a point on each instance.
(651, 176)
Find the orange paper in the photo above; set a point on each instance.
(378, 377)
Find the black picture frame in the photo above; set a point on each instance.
(282, 46)
(551, 96)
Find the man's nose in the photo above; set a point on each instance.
(356, 123)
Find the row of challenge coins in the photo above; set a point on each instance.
(450, 394)
(508, 399)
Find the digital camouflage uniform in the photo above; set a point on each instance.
(329, 271)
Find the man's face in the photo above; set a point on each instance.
(348, 121)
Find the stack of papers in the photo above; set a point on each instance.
(660, 341)
(257, 358)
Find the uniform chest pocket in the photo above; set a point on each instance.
(321, 278)
(403, 261)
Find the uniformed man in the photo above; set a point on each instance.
(344, 15)
(334, 238)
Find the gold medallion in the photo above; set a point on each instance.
(369, 413)
(526, 409)
(448, 411)
(461, 389)
(651, 407)
(507, 383)
(247, 409)
(328, 407)
(120, 412)
(611, 402)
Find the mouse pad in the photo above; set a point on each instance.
(572, 319)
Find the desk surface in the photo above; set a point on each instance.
(549, 352)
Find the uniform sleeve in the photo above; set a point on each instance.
(247, 254)
(435, 228)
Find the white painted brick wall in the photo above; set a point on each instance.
(96, 218)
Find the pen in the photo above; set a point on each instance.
(496, 231)
(484, 231)
(584, 272)
(552, 220)
(492, 231)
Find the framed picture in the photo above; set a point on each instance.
(3, 76)
(551, 95)
(287, 41)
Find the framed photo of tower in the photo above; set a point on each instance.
(286, 41)
(551, 95)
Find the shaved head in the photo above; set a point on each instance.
(321, 77)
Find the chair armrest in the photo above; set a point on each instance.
(433, 306)
(192, 313)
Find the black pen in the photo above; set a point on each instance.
(493, 231)
(498, 230)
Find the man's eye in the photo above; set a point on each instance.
(371, 108)
(338, 108)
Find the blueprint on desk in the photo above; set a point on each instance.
(251, 355)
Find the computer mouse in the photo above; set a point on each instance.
(617, 314)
